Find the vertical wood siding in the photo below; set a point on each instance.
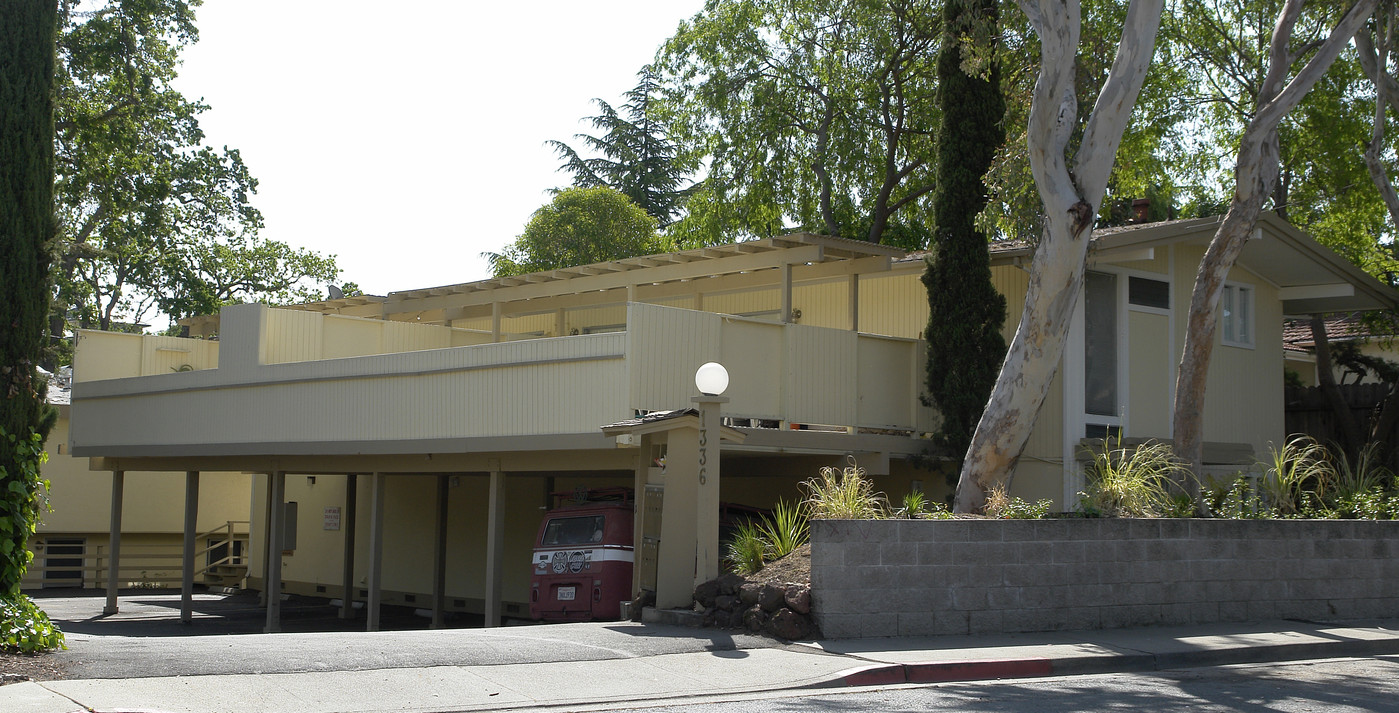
(109, 355)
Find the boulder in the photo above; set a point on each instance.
(754, 618)
(789, 625)
(729, 583)
(749, 592)
(706, 592)
(798, 598)
(771, 596)
(726, 602)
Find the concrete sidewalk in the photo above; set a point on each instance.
(525, 676)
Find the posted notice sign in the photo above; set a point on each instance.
(332, 518)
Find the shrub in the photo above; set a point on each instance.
(1133, 482)
(1294, 474)
(784, 531)
(1000, 505)
(747, 549)
(914, 505)
(1362, 475)
(843, 494)
(25, 628)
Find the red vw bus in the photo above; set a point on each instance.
(583, 557)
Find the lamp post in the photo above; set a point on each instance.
(711, 379)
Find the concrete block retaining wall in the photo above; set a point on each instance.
(936, 577)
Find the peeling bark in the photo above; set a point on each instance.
(1256, 173)
(1070, 199)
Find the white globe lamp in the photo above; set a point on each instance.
(711, 379)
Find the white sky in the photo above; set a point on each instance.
(408, 141)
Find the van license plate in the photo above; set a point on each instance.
(566, 594)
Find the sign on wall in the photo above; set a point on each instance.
(332, 518)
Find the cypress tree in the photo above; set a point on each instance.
(965, 346)
(27, 32)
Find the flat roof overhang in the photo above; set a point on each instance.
(554, 452)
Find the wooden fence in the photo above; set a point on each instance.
(1307, 411)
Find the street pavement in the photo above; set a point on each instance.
(144, 659)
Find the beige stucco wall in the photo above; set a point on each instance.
(151, 503)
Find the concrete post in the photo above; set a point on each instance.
(114, 543)
(276, 526)
(439, 556)
(495, 547)
(376, 550)
(707, 555)
(191, 525)
(347, 523)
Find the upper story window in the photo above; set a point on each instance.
(1236, 315)
(1146, 292)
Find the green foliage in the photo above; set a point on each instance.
(25, 628)
(914, 505)
(580, 226)
(21, 502)
(1133, 481)
(843, 494)
(26, 212)
(1000, 505)
(747, 550)
(149, 218)
(637, 158)
(1361, 474)
(1290, 475)
(755, 543)
(815, 112)
(1376, 503)
(965, 311)
(785, 530)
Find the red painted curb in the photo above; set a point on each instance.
(881, 675)
(941, 671)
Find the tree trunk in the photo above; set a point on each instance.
(1351, 435)
(1071, 201)
(1255, 174)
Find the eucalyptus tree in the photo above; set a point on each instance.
(1292, 69)
(1071, 189)
(636, 157)
(139, 198)
(814, 112)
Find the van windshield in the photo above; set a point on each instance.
(580, 530)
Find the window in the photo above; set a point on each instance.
(1100, 344)
(1236, 316)
(579, 530)
(1146, 292)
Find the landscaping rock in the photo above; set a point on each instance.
(770, 597)
(789, 625)
(754, 618)
(726, 602)
(798, 598)
(736, 619)
(706, 592)
(749, 593)
(729, 582)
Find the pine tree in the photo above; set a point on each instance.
(637, 159)
(26, 228)
(965, 346)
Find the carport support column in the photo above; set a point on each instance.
(191, 524)
(495, 546)
(347, 521)
(276, 531)
(439, 555)
(376, 550)
(707, 494)
(114, 543)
